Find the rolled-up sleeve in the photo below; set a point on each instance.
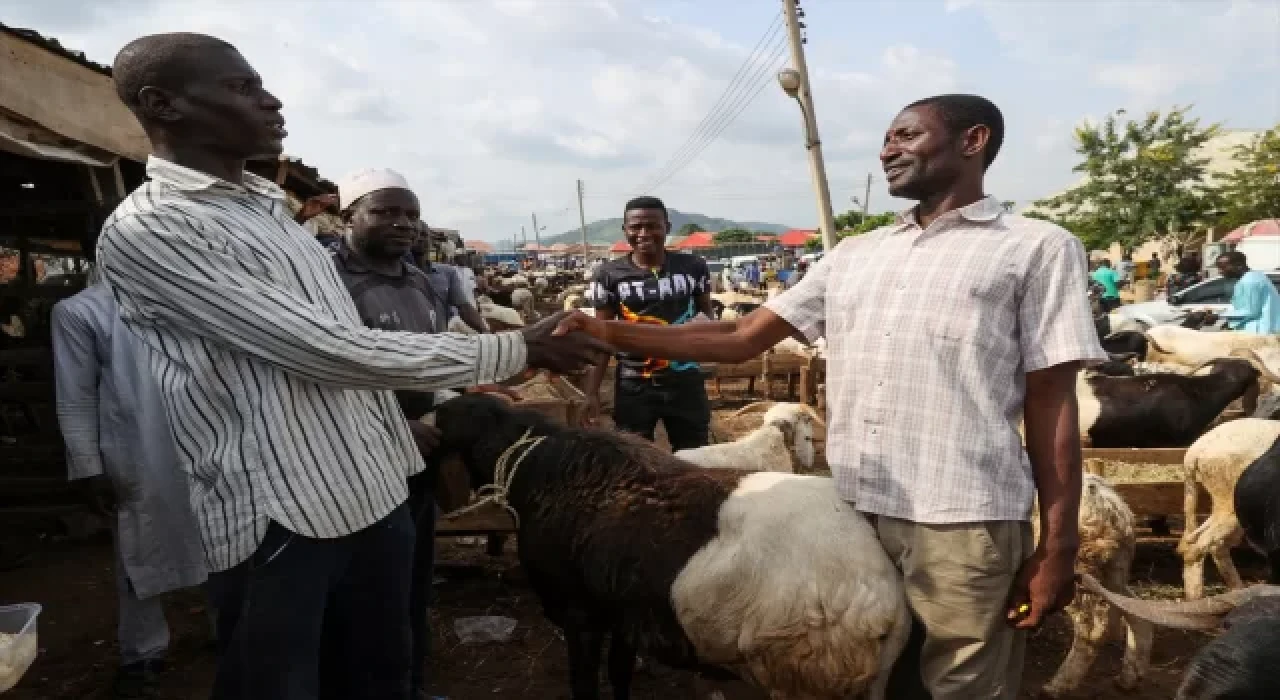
(1055, 324)
(167, 273)
(804, 306)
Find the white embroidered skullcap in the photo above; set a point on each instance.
(362, 182)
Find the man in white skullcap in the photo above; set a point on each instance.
(383, 222)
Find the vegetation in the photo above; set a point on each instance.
(689, 228)
(1253, 191)
(1148, 180)
(734, 235)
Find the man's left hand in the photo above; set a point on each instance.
(1045, 584)
(427, 437)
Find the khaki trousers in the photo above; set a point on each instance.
(957, 580)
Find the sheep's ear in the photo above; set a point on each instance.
(788, 432)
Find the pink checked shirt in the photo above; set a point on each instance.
(930, 333)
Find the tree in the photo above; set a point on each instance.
(734, 235)
(1253, 191)
(1144, 181)
(689, 228)
(848, 220)
(870, 223)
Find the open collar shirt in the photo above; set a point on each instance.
(930, 333)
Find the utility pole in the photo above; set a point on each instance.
(866, 199)
(582, 217)
(537, 239)
(797, 86)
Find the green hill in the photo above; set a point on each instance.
(610, 230)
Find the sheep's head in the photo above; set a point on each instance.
(478, 427)
(798, 424)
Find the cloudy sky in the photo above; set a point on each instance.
(493, 108)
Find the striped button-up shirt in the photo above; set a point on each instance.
(277, 395)
(930, 333)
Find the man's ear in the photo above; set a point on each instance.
(158, 104)
(975, 140)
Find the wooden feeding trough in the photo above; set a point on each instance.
(798, 370)
(1151, 483)
(554, 397)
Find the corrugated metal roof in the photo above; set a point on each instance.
(52, 45)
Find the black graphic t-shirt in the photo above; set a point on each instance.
(663, 296)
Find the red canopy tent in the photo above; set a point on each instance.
(796, 238)
(620, 247)
(1262, 227)
(697, 240)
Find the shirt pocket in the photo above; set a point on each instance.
(975, 304)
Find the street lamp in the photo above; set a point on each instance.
(789, 79)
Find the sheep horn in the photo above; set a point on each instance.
(1204, 614)
(429, 419)
(1156, 346)
(757, 407)
(817, 417)
(1258, 364)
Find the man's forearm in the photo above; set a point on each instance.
(716, 341)
(1053, 446)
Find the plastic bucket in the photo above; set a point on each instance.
(18, 645)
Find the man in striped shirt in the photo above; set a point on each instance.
(278, 396)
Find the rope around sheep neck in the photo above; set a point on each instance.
(502, 478)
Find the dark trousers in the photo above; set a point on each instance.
(678, 399)
(305, 618)
(422, 503)
(1108, 303)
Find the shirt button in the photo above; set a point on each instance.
(879, 383)
(886, 334)
(875, 432)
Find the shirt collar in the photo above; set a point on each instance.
(187, 179)
(983, 211)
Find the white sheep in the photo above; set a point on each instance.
(495, 314)
(1215, 461)
(522, 301)
(1107, 546)
(783, 440)
(1193, 348)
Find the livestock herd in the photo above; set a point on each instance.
(736, 584)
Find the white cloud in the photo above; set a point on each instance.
(493, 108)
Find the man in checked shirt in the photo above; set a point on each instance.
(943, 329)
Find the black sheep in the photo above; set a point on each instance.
(1257, 502)
(622, 540)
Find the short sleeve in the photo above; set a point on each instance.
(1055, 324)
(601, 290)
(701, 276)
(804, 306)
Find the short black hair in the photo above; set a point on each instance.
(961, 112)
(646, 202)
(158, 60)
(1234, 257)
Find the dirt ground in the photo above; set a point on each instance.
(73, 581)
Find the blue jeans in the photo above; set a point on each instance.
(305, 618)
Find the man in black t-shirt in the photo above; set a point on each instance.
(652, 286)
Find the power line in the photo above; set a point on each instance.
(734, 84)
(740, 106)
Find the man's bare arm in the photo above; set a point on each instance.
(720, 341)
(1046, 581)
(470, 315)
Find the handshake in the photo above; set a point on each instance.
(566, 342)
